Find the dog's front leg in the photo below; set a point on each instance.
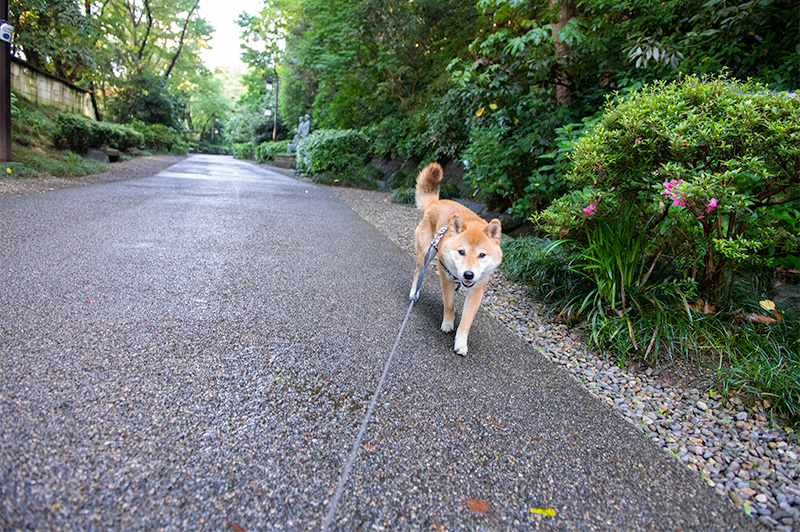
(448, 297)
(471, 305)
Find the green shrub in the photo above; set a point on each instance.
(78, 134)
(340, 153)
(117, 136)
(266, 151)
(504, 156)
(244, 150)
(716, 164)
(158, 137)
(180, 148)
(387, 136)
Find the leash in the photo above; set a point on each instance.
(348, 466)
(345, 475)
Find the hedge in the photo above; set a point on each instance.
(79, 134)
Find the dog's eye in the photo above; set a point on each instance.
(462, 252)
(481, 255)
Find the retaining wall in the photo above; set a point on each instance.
(42, 88)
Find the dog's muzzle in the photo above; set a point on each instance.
(468, 279)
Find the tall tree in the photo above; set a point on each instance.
(353, 63)
(54, 35)
(151, 36)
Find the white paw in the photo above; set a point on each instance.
(460, 346)
(448, 326)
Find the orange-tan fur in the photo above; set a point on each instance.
(470, 250)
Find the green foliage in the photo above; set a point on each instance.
(543, 264)
(353, 63)
(764, 363)
(29, 123)
(404, 195)
(67, 164)
(159, 137)
(387, 135)
(718, 160)
(54, 35)
(244, 150)
(265, 152)
(334, 152)
(79, 134)
(145, 97)
(615, 258)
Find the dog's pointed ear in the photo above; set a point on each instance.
(494, 229)
(456, 225)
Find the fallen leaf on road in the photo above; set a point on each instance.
(543, 511)
(438, 527)
(369, 447)
(477, 505)
(235, 527)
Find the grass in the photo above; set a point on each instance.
(32, 128)
(54, 163)
(661, 325)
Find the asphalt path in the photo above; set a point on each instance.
(196, 351)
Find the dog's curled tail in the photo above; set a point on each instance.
(427, 190)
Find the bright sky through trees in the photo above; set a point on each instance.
(225, 51)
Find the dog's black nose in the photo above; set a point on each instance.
(469, 275)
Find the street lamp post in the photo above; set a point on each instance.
(277, 84)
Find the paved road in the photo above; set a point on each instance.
(196, 350)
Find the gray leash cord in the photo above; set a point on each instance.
(357, 444)
(345, 475)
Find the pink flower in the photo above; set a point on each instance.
(711, 205)
(670, 191)
(589, 211)
(637, 141)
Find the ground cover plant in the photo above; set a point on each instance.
(684, 213)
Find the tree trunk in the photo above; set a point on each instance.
(140, 54)
(566, 12)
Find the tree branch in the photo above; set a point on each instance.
(147, 31)
(180, 42)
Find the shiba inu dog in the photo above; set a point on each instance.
(468, 251)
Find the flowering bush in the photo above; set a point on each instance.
(713, 168)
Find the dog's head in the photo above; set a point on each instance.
(472, 250)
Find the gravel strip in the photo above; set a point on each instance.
(119, 171)
(734, 449)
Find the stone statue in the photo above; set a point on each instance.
(305, 127)
(300, 132)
